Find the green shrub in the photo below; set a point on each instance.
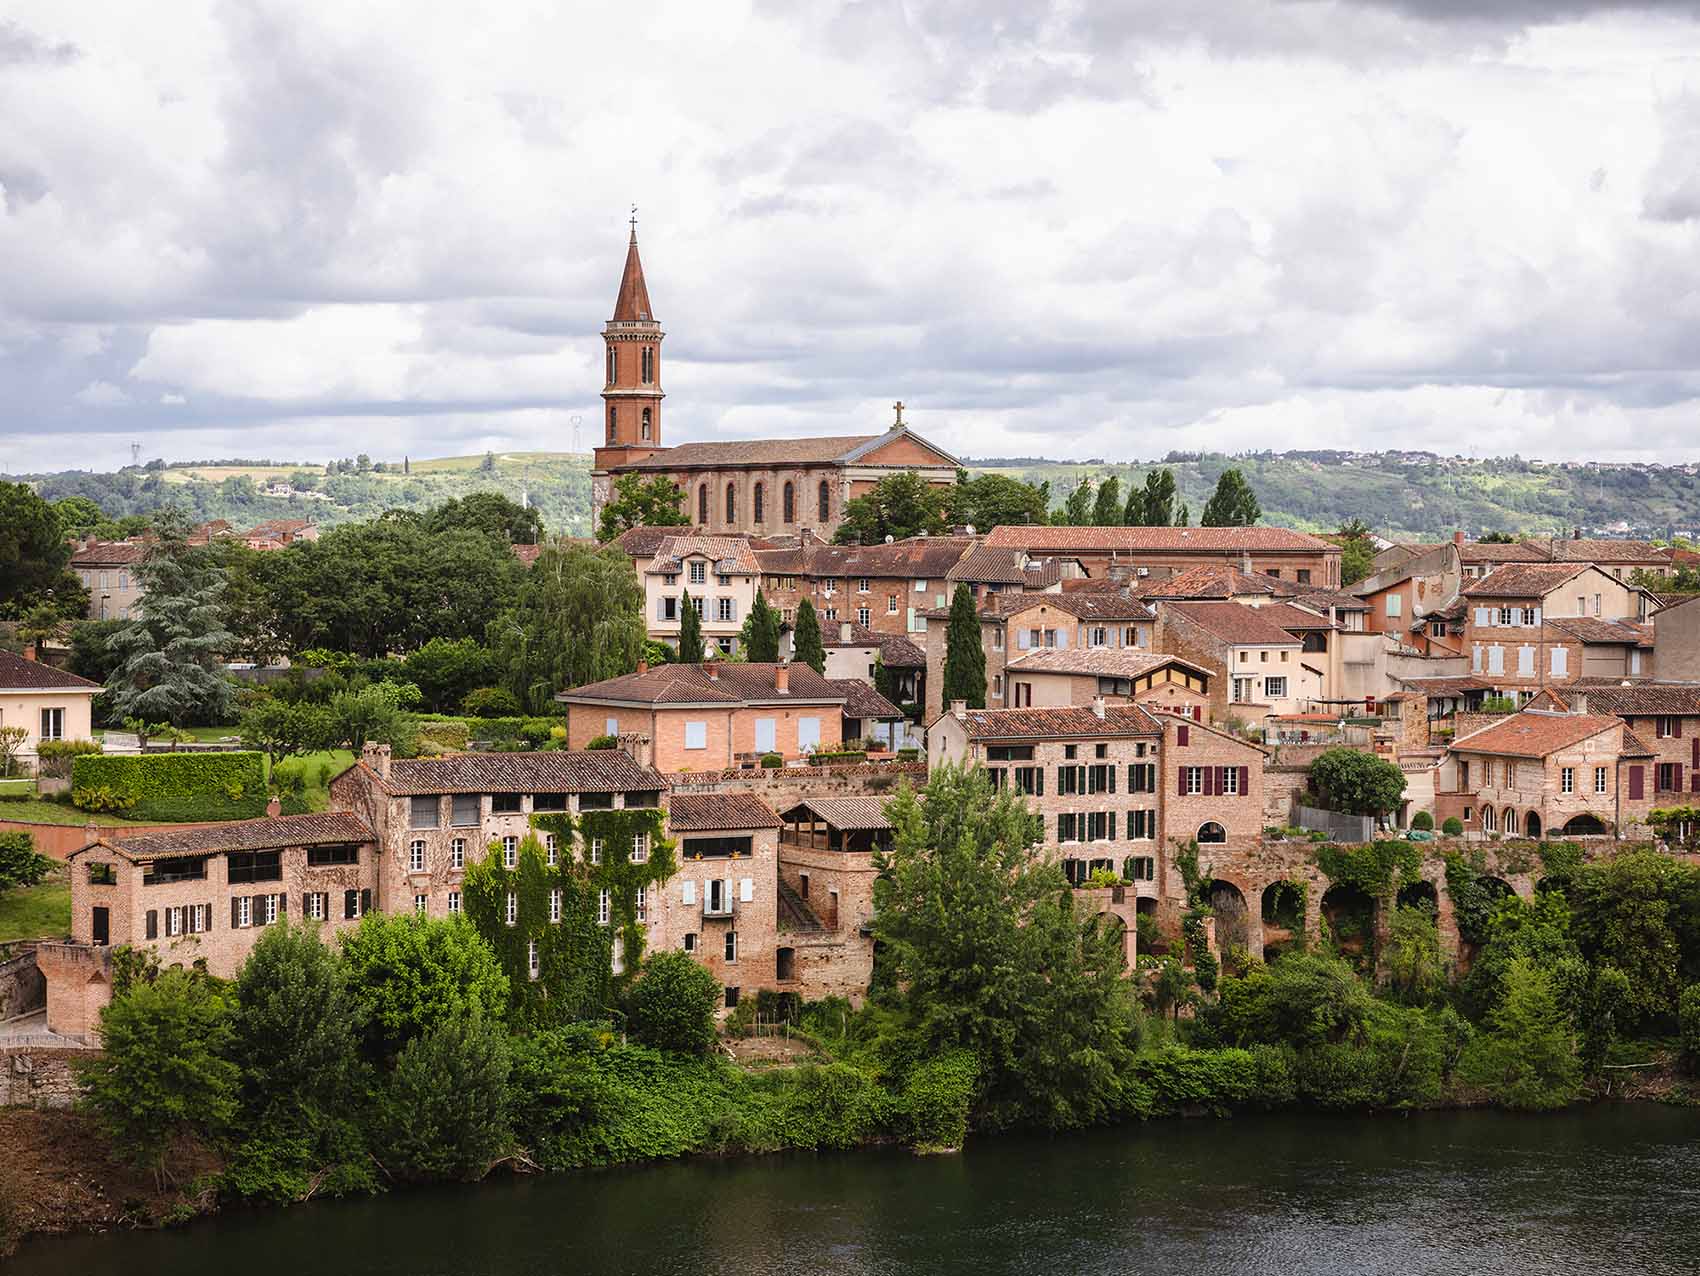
(673, 1003)
(54, 758)
(101, 798)
(771, 760)
(445, 735)
(444, 1111)
(1688, 1026)
(491, 702)
(603, 742)
(1423, 821)
(19, 863)
(173, 787)
(935, 1101)
(1452, 826)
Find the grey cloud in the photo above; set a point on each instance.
(19, 47)
(1673, 184)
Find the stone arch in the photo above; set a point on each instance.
(1233, 917)
(1112, 923)
(1419, 894)
(1532, 825)
(1350, 914)
(1587, 824)
(1211, 833)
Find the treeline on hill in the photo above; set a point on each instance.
(423, 1049)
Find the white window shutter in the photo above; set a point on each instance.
(1024, 640)
(687, 892)
(746, 889)
(726, 892)
(1537, 615)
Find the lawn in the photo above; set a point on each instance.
(330, 763)
(37, 912)
(36, 811)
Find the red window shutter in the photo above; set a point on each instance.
(1245, 780)
(1198, 713)
(1694, 761)
(1635, 783)
(1676, 782)
(1676, 727)
(1180, 782)
(1182, 735)
(1209, 781)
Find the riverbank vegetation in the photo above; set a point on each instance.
(405, 1054)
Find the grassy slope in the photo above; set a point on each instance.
(35, 912)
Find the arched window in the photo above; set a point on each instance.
(1487, 819)
(731, 503)
(648, 364)
(757, 505)
(613, 365)
(825, 506)
(1211, 832)
(610, 422)
(702, 504)
(646, 423)
(790, 506)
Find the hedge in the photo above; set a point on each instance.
(174, 787)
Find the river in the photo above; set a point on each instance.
(1599, 1190)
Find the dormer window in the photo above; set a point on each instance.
(699, 572)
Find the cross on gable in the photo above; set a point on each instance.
(899, 406)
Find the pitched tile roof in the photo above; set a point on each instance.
(897, 651)
(109, 554)
(990, 564)
(703, 812)
(764, 452)
(1085, 604)
(551, 771)
(1447, 685)
(1322, 599)
(1637, 700)
(862, 701)
(273, 833)
(734, 683)
(1017, 724)
(731, 555)
(1592, 630)
(913, 558)
(1235, 623)
(1293, 618)
(1535, 734)
(1133, 540)
(855, 813)
(1478, 552)
(1102, 662)
(642, 542)
(1523, 580)
(1210, 580)
(1606, 551)
(18, 674)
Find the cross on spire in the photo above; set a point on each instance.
(899, 406)
(634, 223)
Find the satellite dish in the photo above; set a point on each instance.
(889, 538)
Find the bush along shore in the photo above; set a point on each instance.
(422, 1050)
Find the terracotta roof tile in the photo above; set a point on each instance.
(109, 554)
(1638, 700)
(691, 684)
(731, 555)
(763, 452)
(897, 651)
(1523, 580)
(705, 812)
(1102, 662)
(552, 771)
(276, 832)
(1607, 551)
(1207, 581)
(990, 564)
(1133, 540)
(862, 701)
(1591, 630)
(1235, 623)
(1016, 724)
(1535, 735)
(854, 813)
(18, 674)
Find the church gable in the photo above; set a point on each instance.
(901, 449)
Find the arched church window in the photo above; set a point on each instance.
(613, 364)
(646, 423)
(731, 503)
(825, 505)
(757, 504)
(702, 504)
(790, 505)
(610, 422)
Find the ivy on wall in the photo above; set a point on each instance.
(1378, 869)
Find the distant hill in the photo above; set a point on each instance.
(1397, 493)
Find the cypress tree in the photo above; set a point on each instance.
(1107, 509)
(690, 632)
(1232, 504)
(761, 632)
(964, 657)
(805, 639)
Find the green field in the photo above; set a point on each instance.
(37, 912)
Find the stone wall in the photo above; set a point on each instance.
(38, 1076)
(23, 988)
(1281, 785)
(780, 787)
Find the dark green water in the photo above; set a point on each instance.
(1604, 1190)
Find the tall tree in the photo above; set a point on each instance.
(760, 636)
(996, 500)
(690, 631)
(169, 668)
(899, 505)
(1357, 551)
(991, 954)
(1107, 510)
(964, 656)
(1077, 506)
(1232, 504)
(35, 557)
(1154, 504)
(638, 502)
(491, 513)
(806, 640)
(578, 619)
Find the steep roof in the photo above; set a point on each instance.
(895, 650)
(1607, 551)
(1475, 553)
(109, 554)
(642, 542)
(1535, 734)
(1210, 581)
(1236, 623)
(1085, 604)
(18, 674)
(862, 701)
(551, 771)
(733, 683)
(1016, 724)
(731, 555)
(990, 564)
(272, 833)
(632, 303)
(1133, 540)
(1294, 618)
(837, 449)
(703, 812)
(1523, 580)
(1590, 629)
(1102, 662)
(913, 558)
(853, 813)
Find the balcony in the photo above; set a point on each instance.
(717, 909)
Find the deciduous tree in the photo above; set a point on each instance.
(578, 619)
(1355, 782)
(899, 505)
(640, 502)
(1232, 504)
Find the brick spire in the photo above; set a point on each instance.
(633, 302)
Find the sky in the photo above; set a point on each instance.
(304, 230)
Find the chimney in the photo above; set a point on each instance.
(1579, 702)
(1575, 533)
(29, 651)
(1458, 537)
(377, 756)
(844, 632)
(1098, 707)
(806, 536)
(713, 669)
(274, 808)
(959, 710)
(782, 677)
(1245, 561)
(643, 665)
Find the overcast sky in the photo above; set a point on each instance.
(307, 230)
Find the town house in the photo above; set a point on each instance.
(46, 702)
(1664, 717)
(1506, 613)
(108, 571)
(719, 575)
(1264, 669)
(1060, 677)
(879, 587)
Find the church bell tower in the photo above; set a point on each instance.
(631, 391)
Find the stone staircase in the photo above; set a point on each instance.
(794, 912)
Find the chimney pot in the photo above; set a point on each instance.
(1575, 533)
(713, 668)
(274, 808)
(29, 651)
(377, 756)
(782, 677)
(1458, 536)
(959, 710)
(1098, 707)
(844, 632)
(643, 665)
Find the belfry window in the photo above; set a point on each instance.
(646, 420)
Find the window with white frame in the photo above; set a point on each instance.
(602, 907)
(1275, 688)
(642, 903)
(725, 609)
(1567, 779)
(454, 903)
(457, 853)
(997, 639)
(510, 852)
(640, 848)
(1599, 779)
(699, 573)
(861, 584)
(244, 910)
(1098, 636)
(863, 616)
(731, 948)
(511, 913)
(551, 849)
(52, 724)
(696, 735)
(1230, 781)
(317, 905)
(419, 902)
(595, 850)
(533, 965)
(555, 905)
(891, 605)
(1194, 780)
(416, 856)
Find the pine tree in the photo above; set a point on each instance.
(1077, 509)
(806, 639)
(760, 635)
(1107, 510)
(690, 632)
(1232, 504)
(964, 657)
